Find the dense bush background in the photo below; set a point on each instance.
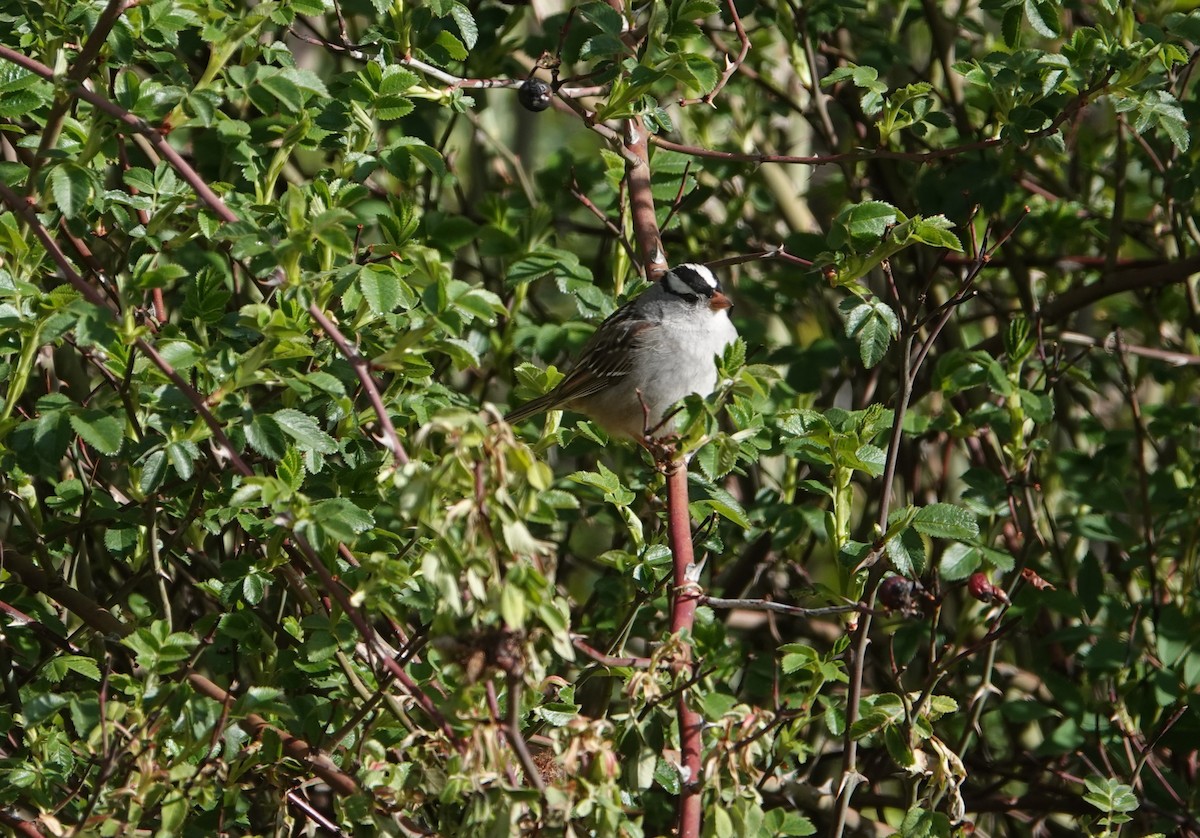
(270, 273)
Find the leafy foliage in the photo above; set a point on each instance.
(270, 560)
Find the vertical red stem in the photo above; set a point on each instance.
(641, 199)
(683, 614)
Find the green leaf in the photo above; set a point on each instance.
(305, 431)
(1043, 17)
(907, 552)
(667, 776)
(944, 520)
(59, 667)
(958, 562)
(1158, 109)
(341, 519)
(466, 24)
(719, 501)
(872, 324)
(544, 262)
(103, 432)
(285, 91)
(863, 223)
(935, 231)
(71, 187)
(784, 821)
(452, 46)
(1110, 795)
(383, 290)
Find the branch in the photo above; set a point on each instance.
(512, 730)
(302, 552)
(731, 67)
(24, 208)
(1109, 344)
(1080, 101)
(362, 369)
(824, 159)
(608, 660)
(641, 199)
(100, 620)
(79, 71)
(139, 126)
(683, 615)
(781, 608)
(1117, 282)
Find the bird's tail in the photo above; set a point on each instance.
(539, 405)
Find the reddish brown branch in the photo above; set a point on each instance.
(608, 660)
(24, 208)
(100, 620)
(302, 552)
(683, 615)
(516, 740)
(641, 199)
(362, 369)
(79, 71)
(139, 126)
(731, 66)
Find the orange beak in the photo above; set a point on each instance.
(719, 302)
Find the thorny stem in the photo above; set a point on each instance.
(101, 621)
(683, 614)
(361, 368)
(641, 199)
(512, 730)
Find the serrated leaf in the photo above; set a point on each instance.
(381, 289)
(722, 503)
(305, 431)
(945, 520)
(393, 107)
(871, 324)
(1039, 14)
(466, 24)
(341, 519)
(71, 188)
(907, 552)
(863, 222)
(266, 436)
(154, 469)
(103, 432)
(935, 231)
(958, 562)
(284, 90)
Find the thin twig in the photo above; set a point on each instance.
(608, 660)
(362, 369)
(26, 211)
(780, 607)
(100, 620)
(81, 67)
(512, 730)
(608, 223)
(731, 67)
(1109, 344)
(1081, 101)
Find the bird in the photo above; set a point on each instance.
(651, 352)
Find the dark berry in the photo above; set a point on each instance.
(534, 95)
(896, 594)
(983, 590)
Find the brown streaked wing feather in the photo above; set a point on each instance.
(604, 359)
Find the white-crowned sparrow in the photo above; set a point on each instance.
(663, 344)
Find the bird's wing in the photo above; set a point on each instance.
(604, 360)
